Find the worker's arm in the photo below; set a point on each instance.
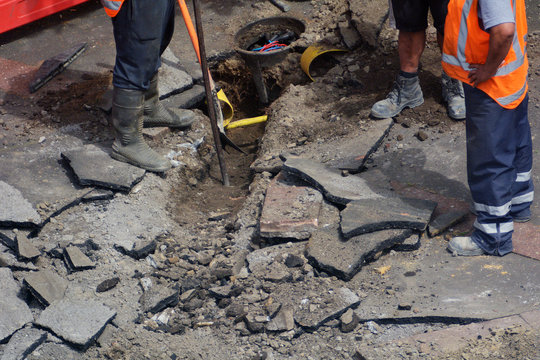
(500, 40)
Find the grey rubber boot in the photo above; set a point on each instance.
(129, 145)
(453, 95)
(156, 114)
(406, 93)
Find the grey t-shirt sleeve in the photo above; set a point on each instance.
(495, 12)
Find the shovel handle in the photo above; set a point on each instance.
(190, 28)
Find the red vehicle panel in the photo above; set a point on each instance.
(14, 13)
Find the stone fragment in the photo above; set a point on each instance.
(261, 261)
(107, 285)
(350, 36)
(187, 99)
(98, 194)
(8, 238)
(46, 286)
(14, 313)
(293, 261)
(137, 249)
(368, 18)
(52, 350)
(335, 188)
(289, 211)
(328, 251)
(78, 322)
(9, 260)
(172, 78)
(22, 343)
(444, 221)
(348, 321)
(25, 249)
(158, 298)
(94, 167)
(278, 273)
(221, 291)
(365, 216)
(77, 260)
(223, 267)
(283, 321)
(16, 211)
(255, 323)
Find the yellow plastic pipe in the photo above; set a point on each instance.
(246, 122)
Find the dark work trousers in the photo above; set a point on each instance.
(142, 31)
(499, 164)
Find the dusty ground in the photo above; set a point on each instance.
(208, 214)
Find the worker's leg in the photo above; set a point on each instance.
(492, 142)
(410, 18)
(523, 189)
(142, 31)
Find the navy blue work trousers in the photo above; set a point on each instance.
(142, 31)
(499, 164)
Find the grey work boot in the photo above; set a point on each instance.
(156, 114)
(129, 145)
(464, 246)
(406, 93)
(453, 95)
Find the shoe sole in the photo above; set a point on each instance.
(465, 253)
(410, 106)
(147, 124)
(122, 158)
(522, 220)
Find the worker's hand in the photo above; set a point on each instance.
(479, 74)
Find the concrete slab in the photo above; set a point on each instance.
(9, 260)
(331, 183)
(46, 286)
(364, 216)
(22, 343)
(25, 249)
(14, 313)
(78, 322)
(330, 252)
(36, 171)
(16, 211)
(94, 167)
(289, 211)
(51, 350)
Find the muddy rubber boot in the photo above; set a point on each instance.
(453, 95)
(156, 114)
(406, 93)
(129, 145)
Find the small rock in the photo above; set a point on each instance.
(107, 284)
(349, 321)
(421, 135)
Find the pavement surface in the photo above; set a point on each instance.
(503, 290)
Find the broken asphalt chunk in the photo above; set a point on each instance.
(14, 313)
(46, 286)
(290, 211)
(158, 298)
(283, 321)
(94, 167)
(15, 210)
(22, 343)
(78, 322)
(335, 188)
(138, 249)
(365, 216)
(107, 285)
(444, 221)
(330, 252)
(25, 249)
(77, 260)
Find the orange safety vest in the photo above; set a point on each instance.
(112, 7)
(465, 43)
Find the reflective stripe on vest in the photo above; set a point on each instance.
(112, 7)
(466, 43)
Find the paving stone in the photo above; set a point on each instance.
(158, 298)
(335, 188)
(22, 343)
(526, 240)
(172, 78)
(16, 211)
(14, 313)
(93, 166)
(77, 260)
(283, 321)
(187, 99)
(444, 221)
(46, 286)
(78, 322)
(289, 211)
(25, 249)
(330, 252)
(364, 216)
